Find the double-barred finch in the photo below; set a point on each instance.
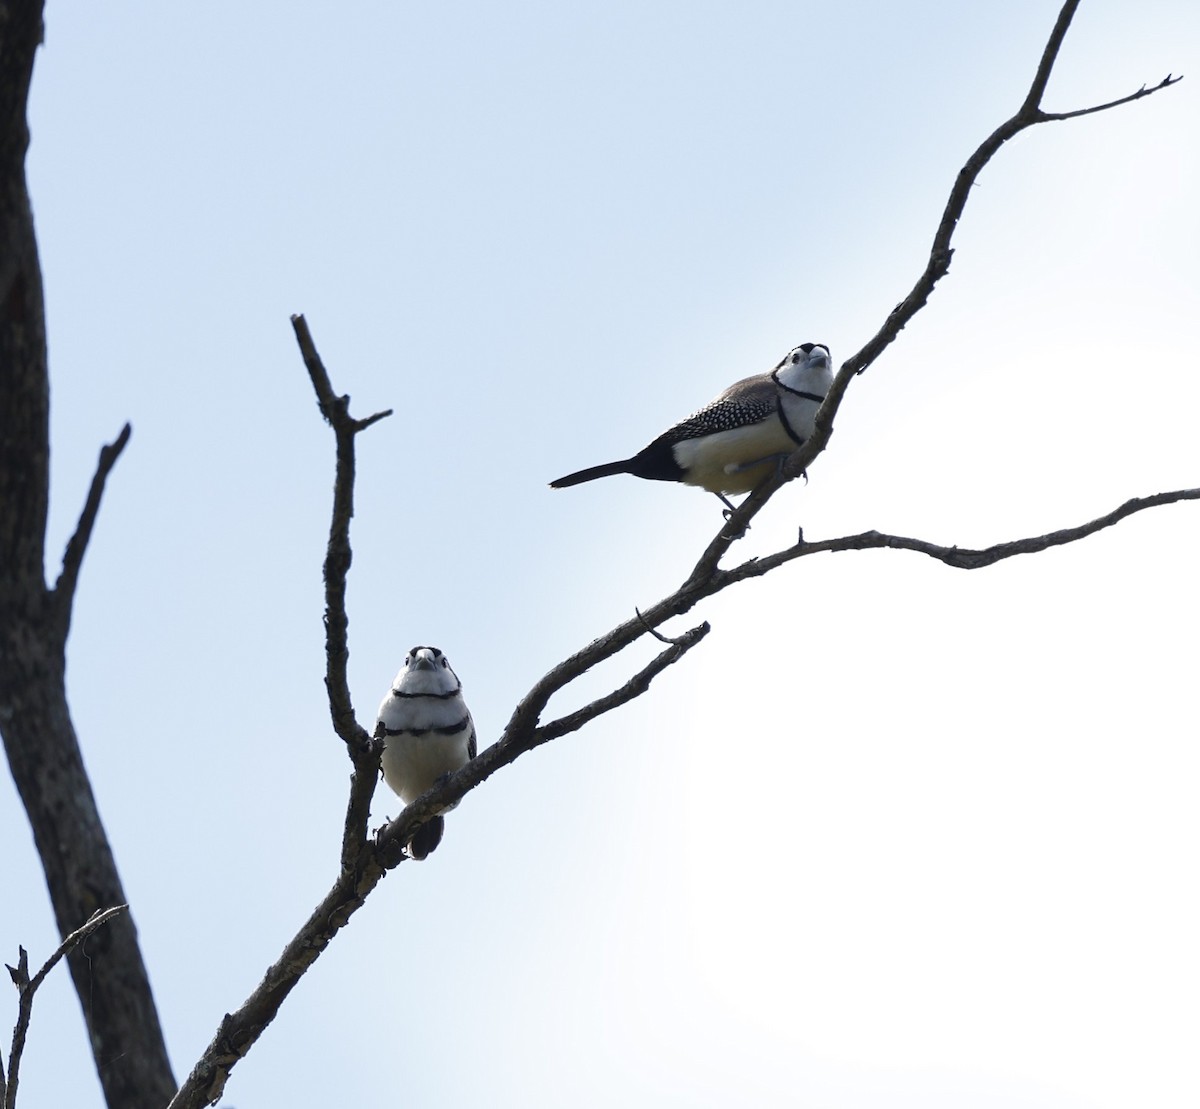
(733, 442)
(428, 733)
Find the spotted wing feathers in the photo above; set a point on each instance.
(736, 407)
(745, 403)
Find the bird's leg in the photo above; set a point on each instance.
(729, 510)
(779, 468)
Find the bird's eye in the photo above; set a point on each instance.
(445, 663)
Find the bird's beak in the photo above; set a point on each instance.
(423, 662)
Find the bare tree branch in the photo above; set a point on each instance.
(64, 589)
(360, 869)
(1041, 78)
(938, 265)
(706, 578)
(364, 861)
(364, 751)
(27, 987)
(962, 558)
(338, 554)
(523, 734)
(239, 1031)
(526, 735)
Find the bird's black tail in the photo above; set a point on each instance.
(426, 838)
(591, 473)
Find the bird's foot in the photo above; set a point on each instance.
(728, 511)
(391, 851)
(780, 459)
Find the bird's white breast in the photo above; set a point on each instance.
(418, 756)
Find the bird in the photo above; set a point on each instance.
(428, 734)
(730, 444)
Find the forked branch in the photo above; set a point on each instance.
(938, 265)
(364, 752)
(706, 578)
(365, 861)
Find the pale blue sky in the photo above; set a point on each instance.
(894, 835)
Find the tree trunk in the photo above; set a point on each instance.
(39, 739)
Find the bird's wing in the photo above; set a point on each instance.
(746, 402)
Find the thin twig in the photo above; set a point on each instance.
(1165, 83)
(68, 578)
(28, 987)
(635, 687)
(655, 632)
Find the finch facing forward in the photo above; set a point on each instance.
(428, 734)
